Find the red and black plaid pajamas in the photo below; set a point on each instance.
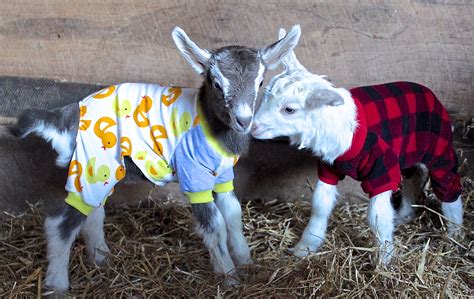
(400, 124)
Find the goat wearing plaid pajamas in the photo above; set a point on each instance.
(374, 134)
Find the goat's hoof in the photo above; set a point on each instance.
(231, 281)
(100, 255)
(57, 283)
(243, 261)
(299, 252)
(455, 232)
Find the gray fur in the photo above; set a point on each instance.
(204, 214)
(71, 220)
(63, 119)
(323, 97)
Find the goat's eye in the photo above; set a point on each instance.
(261, 83)
(289, 110)
(217, 86)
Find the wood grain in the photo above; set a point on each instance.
(354, 42)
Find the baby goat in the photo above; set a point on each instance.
(165, 133)
(373, 134)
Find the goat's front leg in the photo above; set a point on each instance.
(93, 231)
(230, 208)
(61, 231)
(324, 199)
(211, 227)
(381, 216)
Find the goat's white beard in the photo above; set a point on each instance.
(331, 131)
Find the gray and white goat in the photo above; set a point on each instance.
(316, 115)
(231, 79)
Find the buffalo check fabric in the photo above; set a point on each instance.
(400, 124)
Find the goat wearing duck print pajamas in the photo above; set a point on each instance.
(190, 135)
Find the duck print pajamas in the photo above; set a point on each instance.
(164, 133)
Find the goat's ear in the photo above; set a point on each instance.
(323, 97)
(273, 54)
(290, 62)
(197, 57)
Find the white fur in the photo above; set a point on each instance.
(453, 211)
(60, 141)
(292, 90)
(216, 242)
(272, 55)
(381, 216)
(324, 199)
(221, 79)
(230, 208)
(243, 111)
(93, 231)
(58, 251)
(197, 57)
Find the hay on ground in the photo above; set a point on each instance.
(154, 252)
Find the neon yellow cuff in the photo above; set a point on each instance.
(200, 197)
(224, 187)
(75, 201)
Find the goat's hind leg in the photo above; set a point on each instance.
(230, 208)
(212, 229)
(93, 232)
(412, 190)
(61, 231)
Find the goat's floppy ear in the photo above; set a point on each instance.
(289, 61)
(197, 57)
(272, 55)
(323, 97)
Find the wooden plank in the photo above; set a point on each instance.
(354, 42)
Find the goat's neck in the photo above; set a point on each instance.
(331, 130)
(233, 141)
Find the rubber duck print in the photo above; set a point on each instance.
(126, 146)
(139, 115)
(84, 124)
(158, 169)
(120, 172)
(172, 96)
(93, 176)
(104, 93)
(158, 132)
(75, 168)
(121, 107)
(180, 124)
(108, 138)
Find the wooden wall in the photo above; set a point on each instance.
(354, 42)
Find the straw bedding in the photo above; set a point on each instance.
(155, 253)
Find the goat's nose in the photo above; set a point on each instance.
(244, 122)
(254, 127)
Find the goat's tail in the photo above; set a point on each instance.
(58, 126)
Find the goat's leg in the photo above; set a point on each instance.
(412, 189)
(230, 208)
(453, 211)
(211, 227)
(61, 231)
(381, 220)
(93, 232)
(324, 199)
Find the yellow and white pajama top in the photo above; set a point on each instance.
(164, 133)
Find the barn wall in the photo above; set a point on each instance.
(354, 42)
(103, 42)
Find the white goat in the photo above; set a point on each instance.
(372, 134)
(196, 145)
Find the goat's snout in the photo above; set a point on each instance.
(244, 122)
